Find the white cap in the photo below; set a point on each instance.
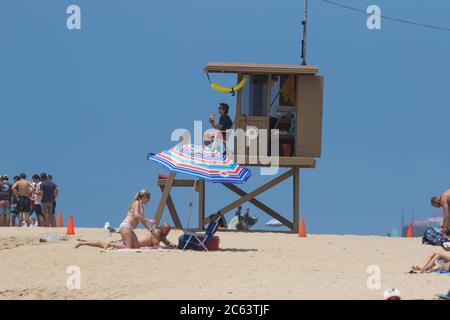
(391, 293)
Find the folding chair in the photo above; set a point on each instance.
(192, 239)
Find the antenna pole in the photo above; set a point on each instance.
(305, 25)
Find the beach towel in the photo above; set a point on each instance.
(438, 272)
(433, 238)
(52, 238)
(146, 249)
(442, 272)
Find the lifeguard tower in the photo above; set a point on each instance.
(280, 97)
(288, 98)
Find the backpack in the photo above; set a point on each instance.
(433, 237)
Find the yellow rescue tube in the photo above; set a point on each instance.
(223, 89)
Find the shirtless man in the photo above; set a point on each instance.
(443, 201)
(21, 190)
(158, 236)
(152, 239)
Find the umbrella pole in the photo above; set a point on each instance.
(190, 204)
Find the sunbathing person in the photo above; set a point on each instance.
(134, 216)
(157, 236)
(152, 239)
(436, 262)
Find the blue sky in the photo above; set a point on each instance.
(88, 105)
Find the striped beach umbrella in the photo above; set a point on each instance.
(201, 162)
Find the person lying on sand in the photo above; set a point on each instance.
(134, 216)
(436, 262)
(443, 201)
(152, 239)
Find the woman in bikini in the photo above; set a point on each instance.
(134, 216)
(126, 229)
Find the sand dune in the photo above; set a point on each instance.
(248, 266)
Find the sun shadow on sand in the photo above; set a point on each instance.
(236, 250)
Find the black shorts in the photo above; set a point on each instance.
(38, 210)
(23, 205)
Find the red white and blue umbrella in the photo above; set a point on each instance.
(201, 162)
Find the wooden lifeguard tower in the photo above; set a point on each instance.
(288, 98)
(285, 98)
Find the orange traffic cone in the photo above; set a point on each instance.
(60, 222)
(302, 229)
(70, 228)
(409, 233)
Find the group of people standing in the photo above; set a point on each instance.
(22, 199)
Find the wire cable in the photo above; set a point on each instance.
(423, 25)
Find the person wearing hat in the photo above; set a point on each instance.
(5, 200)
(392, 294)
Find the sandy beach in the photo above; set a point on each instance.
(248, 266)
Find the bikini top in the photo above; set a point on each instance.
(140, 209)
(141, 212)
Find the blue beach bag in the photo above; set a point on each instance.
(433, 237)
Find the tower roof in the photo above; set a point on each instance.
(234, 67)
